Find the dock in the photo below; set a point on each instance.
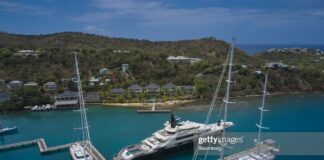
(153, 111)
(265, 151)
(44, 149)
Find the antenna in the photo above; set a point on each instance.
(260, 125)
(227, 97)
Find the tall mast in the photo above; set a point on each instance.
(227, 96)
(260, 125)
(84, 121)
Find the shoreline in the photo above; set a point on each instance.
(166, 104)
(178, 103)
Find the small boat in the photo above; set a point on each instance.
(8, 130)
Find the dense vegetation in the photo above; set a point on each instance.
(147, 63)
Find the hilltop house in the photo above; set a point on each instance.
(49, 86)
(275, 65)
(117, 91)
(182, 59)
(15, 84)
(121, 51)
(103, 71)
(135, 88)
(30, 84)
(27, 53)
(66, 100)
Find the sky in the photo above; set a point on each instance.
(249, 21)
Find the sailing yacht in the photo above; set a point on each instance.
(81, 150)
(264, 150)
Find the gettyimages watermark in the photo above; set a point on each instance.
(213, 143)
(287, 143)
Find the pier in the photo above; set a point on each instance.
(44, 149)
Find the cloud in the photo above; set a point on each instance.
(22, 7)
(152, 13)
(94, 29)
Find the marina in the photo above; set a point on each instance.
(44, 149)
(108, 142)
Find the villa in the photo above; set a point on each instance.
(169, 87)
(15, 84)
(135, 88)
(152, 87)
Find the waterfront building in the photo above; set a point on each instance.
(15, 84)
(49, 86)
(66, 100)
(152, 87)
(135, 88)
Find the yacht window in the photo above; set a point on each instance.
(186, 136)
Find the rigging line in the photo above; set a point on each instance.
(219, 114)
(214, 98)
(82, 107)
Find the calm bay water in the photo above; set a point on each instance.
(113, 128)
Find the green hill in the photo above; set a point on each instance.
(147, 63)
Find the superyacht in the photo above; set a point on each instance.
(173, 137)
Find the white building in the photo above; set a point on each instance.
(182, 59)
(30, 84)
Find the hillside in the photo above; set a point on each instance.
(53, 61)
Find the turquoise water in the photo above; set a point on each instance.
(113, 128)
